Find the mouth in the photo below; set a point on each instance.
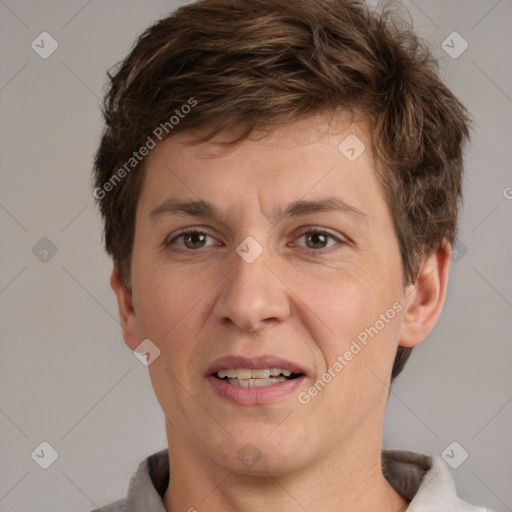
(254, 381)
(256, 378)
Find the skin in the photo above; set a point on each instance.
(304, 299)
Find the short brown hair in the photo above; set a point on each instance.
(259, 63)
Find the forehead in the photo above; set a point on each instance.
(304, 130)
(308, 160)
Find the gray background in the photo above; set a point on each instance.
(66, 376)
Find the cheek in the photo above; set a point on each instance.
(171, 311)
(345, 304)
(355, 319)
(168, 299)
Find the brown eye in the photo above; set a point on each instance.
(319, 239)
(194, 240)
(191, 240)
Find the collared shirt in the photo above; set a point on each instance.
(424, 481)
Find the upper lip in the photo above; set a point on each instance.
(253, 363)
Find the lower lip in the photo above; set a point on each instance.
(257, 395)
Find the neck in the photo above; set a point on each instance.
(342, 480)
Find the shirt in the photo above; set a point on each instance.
(424, 481)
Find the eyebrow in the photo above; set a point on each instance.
(298, 208)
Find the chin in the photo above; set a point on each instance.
(264, 453)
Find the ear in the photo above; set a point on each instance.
(424, 299)
(127, 314)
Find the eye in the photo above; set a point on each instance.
(192, 239)
(318, 238)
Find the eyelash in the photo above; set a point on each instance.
(305, 231)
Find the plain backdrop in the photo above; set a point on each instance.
(67, 377)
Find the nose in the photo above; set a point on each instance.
(252, 296)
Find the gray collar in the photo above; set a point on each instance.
(424, 481)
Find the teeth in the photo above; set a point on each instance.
(246, 374)
(277, 371)
(255, 383)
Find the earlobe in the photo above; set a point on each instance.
(425, 299)
(127, 314)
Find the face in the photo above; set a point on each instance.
(293, 265)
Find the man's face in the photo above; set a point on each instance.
(256, 284)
